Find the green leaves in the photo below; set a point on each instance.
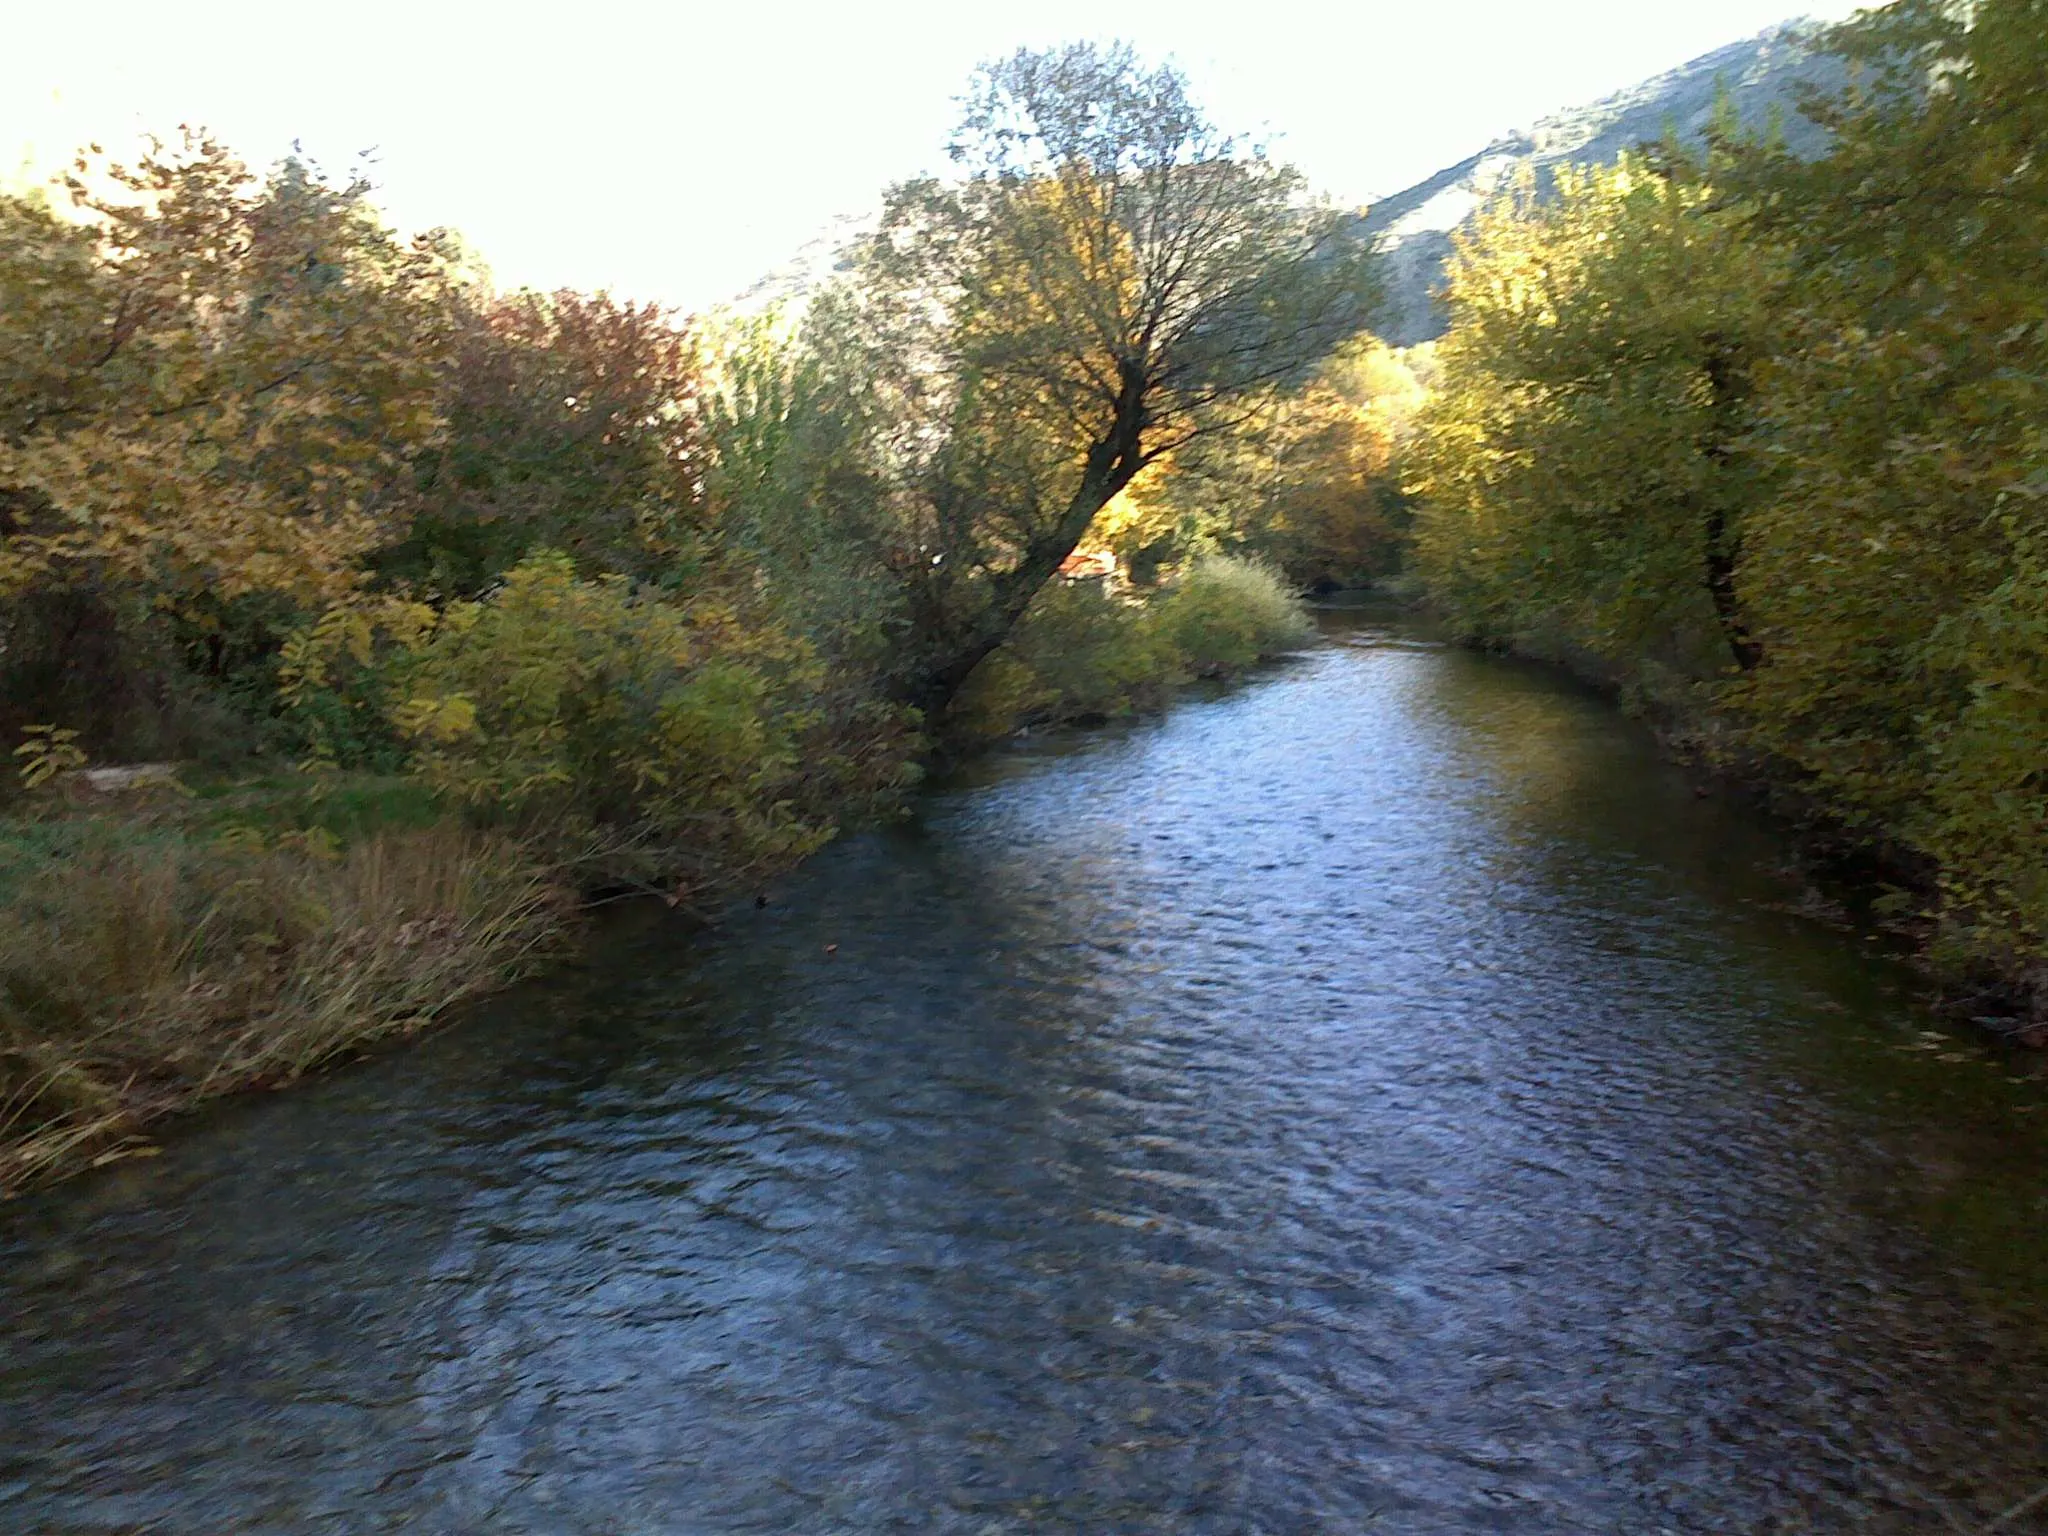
(560, 701)
(1583, 462)
(1108, 277)
(1799, 402)
(1898, 572)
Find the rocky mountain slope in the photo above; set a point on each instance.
(1413, 227)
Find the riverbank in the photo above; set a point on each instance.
(1860, 879)
(1765, 438)
(1253, 1116)
(169, 945)
(155, 958)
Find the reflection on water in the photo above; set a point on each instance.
(1381, 1098)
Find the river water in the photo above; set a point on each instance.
(1378, 1098)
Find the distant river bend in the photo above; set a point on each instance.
(1378, 1098)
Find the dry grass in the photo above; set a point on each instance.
(144, 967)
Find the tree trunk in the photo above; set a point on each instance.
(1721, 557)
(1111, 464)
(1728, 380)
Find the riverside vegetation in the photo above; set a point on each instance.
(1760, 439)
(454, 606)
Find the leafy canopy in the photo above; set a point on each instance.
(1106, 277)
(209, 381)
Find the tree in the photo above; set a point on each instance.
(794, 489)
(1313, 482)
(207, 380)
(1582, 462)
(1796, 406)
(1899, 577)
(571, 425)
(1107, 278)
(212, 385)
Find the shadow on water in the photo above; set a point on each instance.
(1380, 1097)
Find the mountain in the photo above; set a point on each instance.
(815, 263)
(1412, 229)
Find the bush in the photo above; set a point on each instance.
(1225, 614)
(1084, 654)
(577, 705)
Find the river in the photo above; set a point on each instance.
(1380, 1097)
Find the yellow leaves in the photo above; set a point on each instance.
(187, 400)
(48, 751)
(563, 699)
(351, 630)
(438, 720)
(1308, 478)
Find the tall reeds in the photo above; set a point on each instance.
(155, 966)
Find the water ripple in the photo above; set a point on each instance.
(1381, 1098)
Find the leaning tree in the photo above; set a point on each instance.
(1104, 278)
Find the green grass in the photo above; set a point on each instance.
(346, 807)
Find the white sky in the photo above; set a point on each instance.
(678, 149)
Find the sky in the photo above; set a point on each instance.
(676, 150)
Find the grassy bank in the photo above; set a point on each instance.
(149, 961)
(170, 945)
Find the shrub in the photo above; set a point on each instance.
(1224, 614)
(575, 705)
(1085, 654)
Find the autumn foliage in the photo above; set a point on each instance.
(591, 596)
(1764, 436)
(209, 381)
